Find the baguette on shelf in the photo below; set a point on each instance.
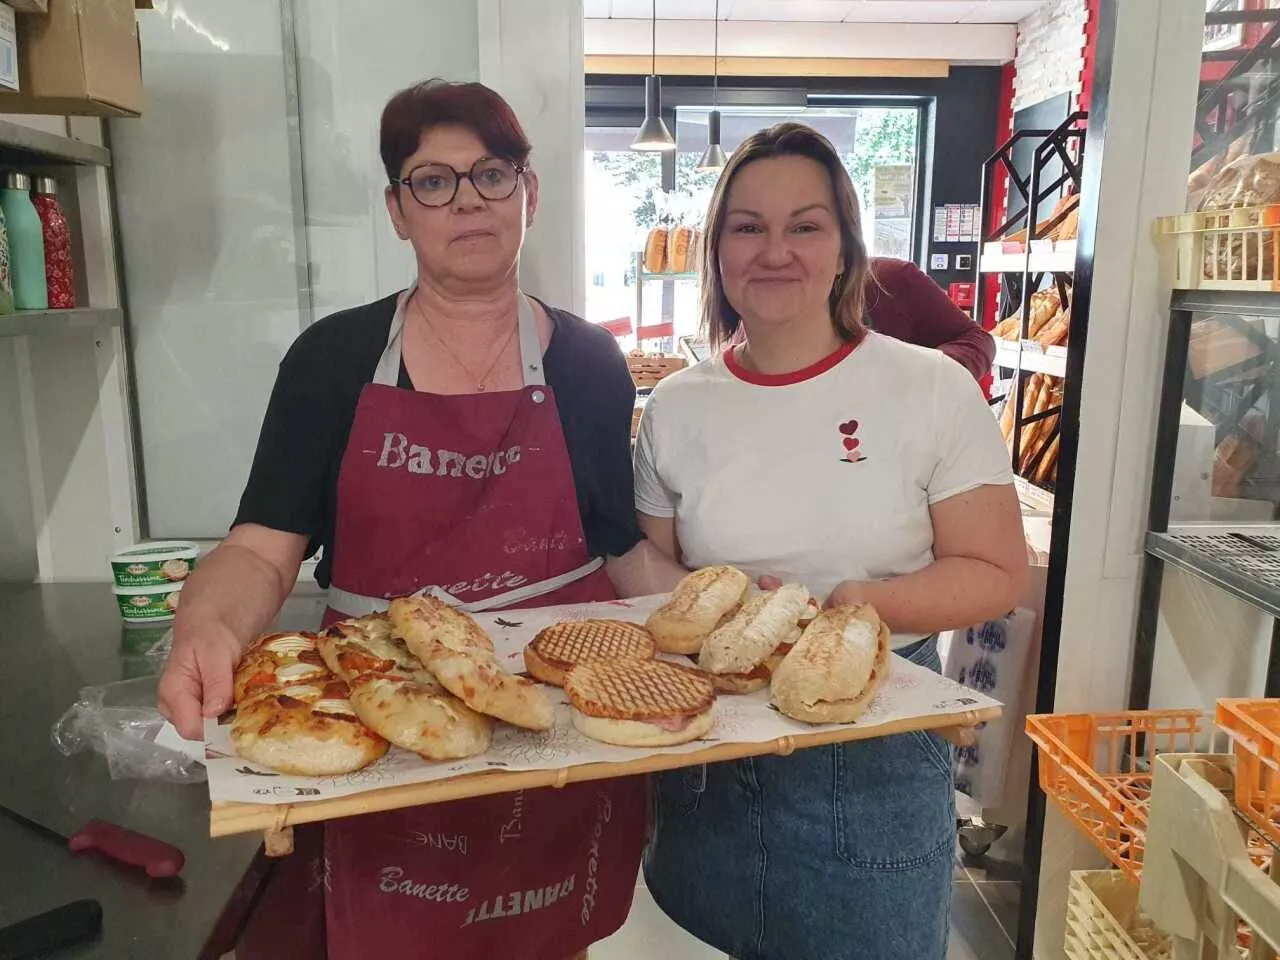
(1050, 322)
(1037, 455)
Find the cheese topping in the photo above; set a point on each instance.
(290, 646)
(302, 691)
(334, 705)
(298, 671)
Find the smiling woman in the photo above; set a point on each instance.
(458, 434)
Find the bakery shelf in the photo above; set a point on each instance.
(1033, 497)
(1029, 355)
(42, 147)
(33, 323)
(1061, 260)
(646, 275)
(1243, 561)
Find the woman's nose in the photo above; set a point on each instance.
(777, 250)
(467, 197)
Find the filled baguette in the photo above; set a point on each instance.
(699, 603)
(736, 652)
(834, 669)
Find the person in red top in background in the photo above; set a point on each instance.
(904, 303)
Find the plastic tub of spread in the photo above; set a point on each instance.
(148, 604)
(154, 564)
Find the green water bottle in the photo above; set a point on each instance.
(6, 278)
(26, 243)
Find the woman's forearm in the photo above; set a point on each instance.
(951, 593)
(235, 588)
(643, 570)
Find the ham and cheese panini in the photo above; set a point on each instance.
(560, 646)
(644, 703)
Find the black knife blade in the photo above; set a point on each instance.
(65, 926)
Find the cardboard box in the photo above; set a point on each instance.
(8, 49)
(81, 59)
(29, 6)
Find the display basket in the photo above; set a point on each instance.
(648, 370)
(1254, 729)
(1225, 249)
(1096, 768)
(1104, 922)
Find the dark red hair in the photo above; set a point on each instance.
(415, 110)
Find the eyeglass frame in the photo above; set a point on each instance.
(458, 176)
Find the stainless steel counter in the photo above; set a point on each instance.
(55, 639)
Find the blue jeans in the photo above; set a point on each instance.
(833, 852)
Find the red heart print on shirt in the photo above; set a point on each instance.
(849, 440)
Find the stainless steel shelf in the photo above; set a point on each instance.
(34, 323)
(1244, 561)
(42, 147)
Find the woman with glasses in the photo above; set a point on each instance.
(462, 435)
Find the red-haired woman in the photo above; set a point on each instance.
(388, 444)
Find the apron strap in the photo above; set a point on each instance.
(355, 605)
(387, 373)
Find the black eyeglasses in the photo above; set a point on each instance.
(436, 184)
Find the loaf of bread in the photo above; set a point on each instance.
(678, 240)
(834, 669)
(700, 603)
(655, 250)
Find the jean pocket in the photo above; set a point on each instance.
(936, 749)
(892, 802)
(693, 784)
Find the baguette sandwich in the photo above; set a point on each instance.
(834, 669)
(700, 603)
(736, 655)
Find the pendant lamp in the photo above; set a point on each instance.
(714, 159)
(653, 134)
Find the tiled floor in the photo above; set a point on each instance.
(984, 918)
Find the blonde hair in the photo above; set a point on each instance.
(720, 321)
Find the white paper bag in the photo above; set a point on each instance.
(992, 659)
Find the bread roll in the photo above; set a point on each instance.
(699, 603)
(831, 674)
(655, 250)
(746, 640)
(678, 241)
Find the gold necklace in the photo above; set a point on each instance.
(479, 382)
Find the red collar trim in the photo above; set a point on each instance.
(736, 368)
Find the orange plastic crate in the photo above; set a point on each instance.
(1096, 768)
(1254, 729)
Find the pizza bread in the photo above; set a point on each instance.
(699, 603)
(425, 623)
(834, 669)
(277, 660)
(562, 645)
(477, 679)
(305, 729)
(418, 714)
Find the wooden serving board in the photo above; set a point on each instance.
(276, 819)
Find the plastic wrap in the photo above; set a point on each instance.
(120, 721)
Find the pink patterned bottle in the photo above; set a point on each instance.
(59, 274)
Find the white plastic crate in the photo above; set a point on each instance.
(1225, 249)
(1104, 922)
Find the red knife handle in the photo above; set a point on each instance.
(158, 858)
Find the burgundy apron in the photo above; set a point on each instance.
(470, 497)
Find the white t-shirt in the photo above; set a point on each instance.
(820, 476)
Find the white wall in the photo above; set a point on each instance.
(1148, 134)
(533, 57)
(349, 65)
(1050, 52)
